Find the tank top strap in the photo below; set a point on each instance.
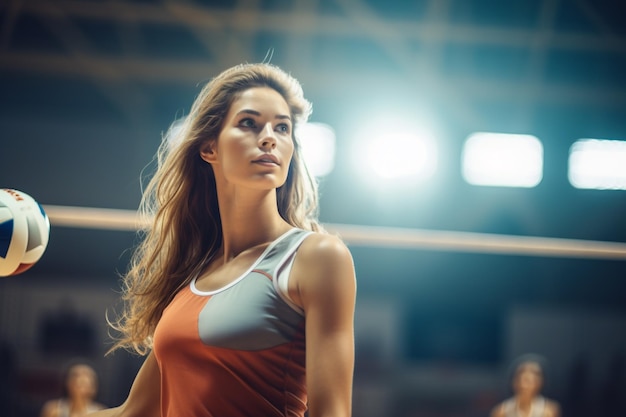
(281, 251)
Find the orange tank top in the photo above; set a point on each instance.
(238, 351)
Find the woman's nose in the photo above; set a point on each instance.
(267, 138)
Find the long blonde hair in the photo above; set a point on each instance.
(180, 202)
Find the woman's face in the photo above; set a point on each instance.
(82, 382)
(255, 146)
(528, 379)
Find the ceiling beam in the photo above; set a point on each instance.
(191, 72)
(303, 21)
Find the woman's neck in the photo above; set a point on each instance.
(249, 221)
(524, 405)
(79, 405)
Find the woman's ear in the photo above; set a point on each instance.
(207, 151)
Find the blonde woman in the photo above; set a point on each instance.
(242, 303)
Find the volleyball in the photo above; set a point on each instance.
(24, 232)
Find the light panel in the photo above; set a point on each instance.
(318, 147)
(598, 164)
(501, 159)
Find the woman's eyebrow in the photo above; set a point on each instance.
(249, 111)
(256, 113)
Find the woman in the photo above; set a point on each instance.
(242, 303)
(527, 382)
(80, 386)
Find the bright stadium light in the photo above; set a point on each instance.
(598, 164)
(318, 147)
(500, 159)
(395, 151)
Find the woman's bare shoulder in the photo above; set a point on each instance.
(498, 410)
(98, 406)
(323, 245)
(324, 263)
(50, 408)
(552, 409)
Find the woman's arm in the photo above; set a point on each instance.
(326, 289)
(144, 397)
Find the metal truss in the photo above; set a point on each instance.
(227, 35)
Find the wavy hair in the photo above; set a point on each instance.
(179, 203)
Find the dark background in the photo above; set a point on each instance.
(88, 87)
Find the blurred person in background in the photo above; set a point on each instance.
(527, 380)
(79, 389)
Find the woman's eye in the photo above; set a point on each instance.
(247, 123)
(283, 128)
